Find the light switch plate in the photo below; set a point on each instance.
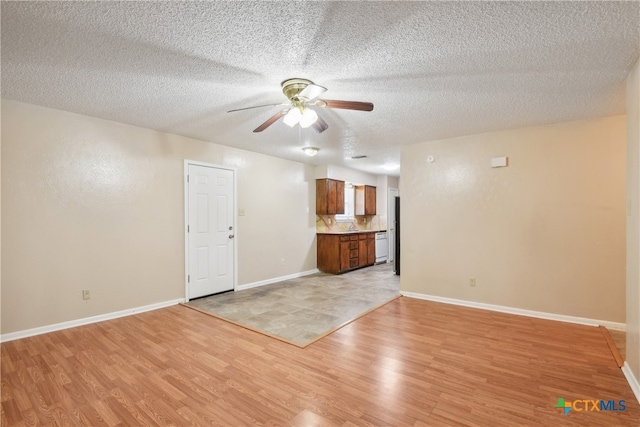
(499, 162)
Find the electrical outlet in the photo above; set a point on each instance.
(472, 281)
(86, 294)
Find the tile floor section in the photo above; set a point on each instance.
(304, 309)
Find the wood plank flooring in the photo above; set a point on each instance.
(620, 340)
(409, 363)
(612, 346)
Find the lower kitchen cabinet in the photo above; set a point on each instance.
(366, 249)
(338, 253)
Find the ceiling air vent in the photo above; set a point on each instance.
(358, 157)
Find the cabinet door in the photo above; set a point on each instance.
(365, 200)
(363, 251)
(331, 196)
(371, 249)
(369, 200)
(328, 256)
(344, 256)
(339, 197)
(321, 197)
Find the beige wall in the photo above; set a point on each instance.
(346, 174)
(98, 205)
(0, 229)
(633, 220)
(384, 183)
(394, 182)
(546, 233)
(382, 194)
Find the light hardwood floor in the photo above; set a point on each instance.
(620, 340)
(410, 362)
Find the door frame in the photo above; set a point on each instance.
(391, 206)
(187, 163)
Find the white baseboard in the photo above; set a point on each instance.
(87, 320)
(632, 380)
(519, 311)
(276, 279)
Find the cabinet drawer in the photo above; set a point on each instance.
(353, 253)
(353, 245)
(353, 262)
(371, 235)
(353, 237)
(363, 236)
(344, 238)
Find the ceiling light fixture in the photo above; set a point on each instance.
(310, 151)
(390, 166)
(308, 118)
(293, 117)
(303, 116)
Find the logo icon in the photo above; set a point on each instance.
(562, 406)
(589, 405)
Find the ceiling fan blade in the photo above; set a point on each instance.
(311, 92)
(255, 106)
(345, 105)
(271, 120)
(320, 125)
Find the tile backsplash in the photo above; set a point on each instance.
(328, 223)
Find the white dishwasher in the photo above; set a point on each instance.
(382, 247)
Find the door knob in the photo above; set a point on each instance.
(231, 236)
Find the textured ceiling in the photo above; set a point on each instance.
(432, 69)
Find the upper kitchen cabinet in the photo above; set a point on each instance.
(330, 197)
(365, 203)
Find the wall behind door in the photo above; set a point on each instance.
(94, 204)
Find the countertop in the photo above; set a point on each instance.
(349, 232)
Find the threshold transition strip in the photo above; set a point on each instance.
(612, 346)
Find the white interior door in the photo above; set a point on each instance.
(391, 222)
(210, 230)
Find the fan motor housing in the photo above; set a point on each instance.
(292, 87)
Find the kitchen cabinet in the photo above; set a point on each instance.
(338, 253)
(329, 197)
(365, 203)
(366, 249)
(349, 259)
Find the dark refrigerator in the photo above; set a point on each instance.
(396, 255)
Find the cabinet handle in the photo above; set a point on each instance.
(231, 236)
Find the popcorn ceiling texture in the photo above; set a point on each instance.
(433, 70)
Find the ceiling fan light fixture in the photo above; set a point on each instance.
(310, 151)
(308, 118)
(292, 118)
(303, 93)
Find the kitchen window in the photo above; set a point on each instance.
(349, 204)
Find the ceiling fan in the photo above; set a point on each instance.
(303, 94)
